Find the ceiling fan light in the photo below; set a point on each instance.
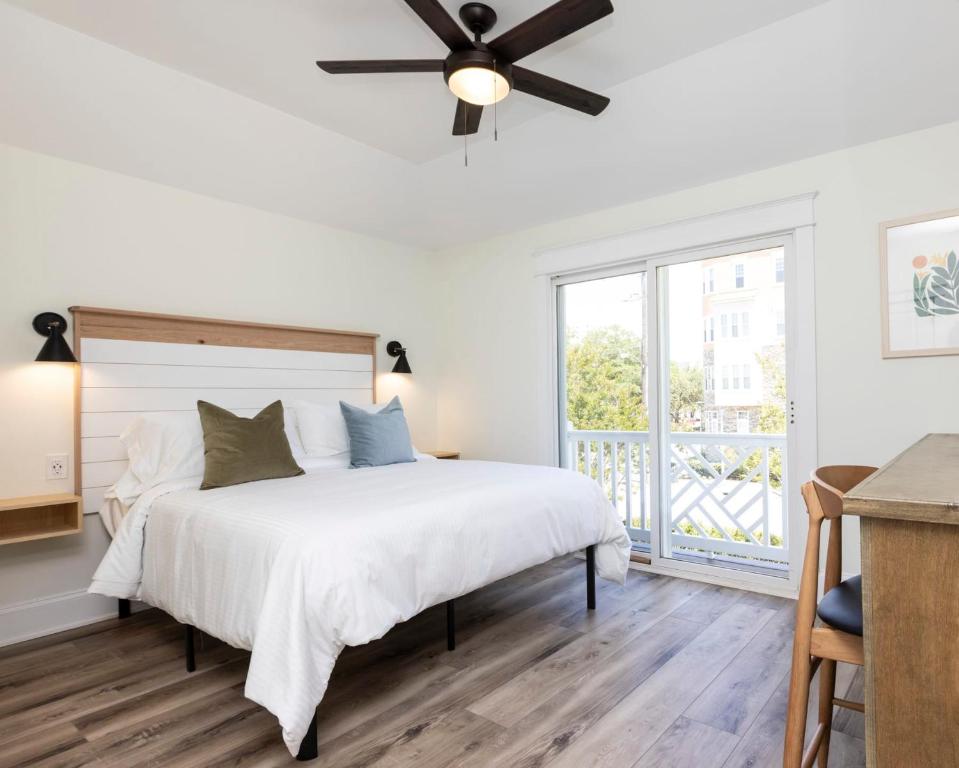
(479, 85)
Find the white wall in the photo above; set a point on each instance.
(71, 234)
(495, 376)
(472, 317)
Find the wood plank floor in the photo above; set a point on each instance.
(665, 673)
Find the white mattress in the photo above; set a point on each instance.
(295, 569)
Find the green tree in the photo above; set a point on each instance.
(685, 396)
(772, 413)
(605, 380)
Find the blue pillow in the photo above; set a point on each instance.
(378, 438)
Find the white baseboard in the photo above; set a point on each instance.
(51, 614)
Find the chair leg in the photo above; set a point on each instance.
(827, 692)
(123, 608)
(798, 704)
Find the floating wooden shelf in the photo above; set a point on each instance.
(40, 517)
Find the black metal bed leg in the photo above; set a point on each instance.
(309, 749)
(591, 577)
(190, 650)
(123, 608)
(450, 626)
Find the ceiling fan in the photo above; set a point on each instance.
(479, 73)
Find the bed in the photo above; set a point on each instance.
(295, 569)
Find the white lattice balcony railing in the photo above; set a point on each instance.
(724, 492)
(619, 462)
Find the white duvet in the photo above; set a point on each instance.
(296, 569)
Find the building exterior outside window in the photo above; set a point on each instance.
(709, 284)
(750, 304)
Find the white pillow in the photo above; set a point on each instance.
(164, 446)
(169, 446)
(322, 427)
(292, 431)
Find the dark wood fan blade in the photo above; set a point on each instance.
(558, 92)
(381, 65)
(467, 118)
(441, 23)
(548, 26)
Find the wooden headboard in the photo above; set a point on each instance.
(136, 362)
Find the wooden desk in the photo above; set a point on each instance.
(910, 568)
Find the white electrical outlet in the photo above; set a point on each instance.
(58, 467)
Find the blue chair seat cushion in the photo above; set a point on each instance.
(841, 606)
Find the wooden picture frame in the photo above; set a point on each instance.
(920, 316)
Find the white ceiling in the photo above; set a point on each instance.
(222, 97)
(266, 50)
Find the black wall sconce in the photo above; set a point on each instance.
(397, 350)
(55, 349)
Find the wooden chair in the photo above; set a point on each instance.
(839, 637)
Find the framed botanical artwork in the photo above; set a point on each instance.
(920, 285)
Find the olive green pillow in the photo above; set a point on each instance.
(238, 450)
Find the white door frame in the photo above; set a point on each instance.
(790, 223)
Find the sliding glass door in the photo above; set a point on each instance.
(722, 429)
(673, 396)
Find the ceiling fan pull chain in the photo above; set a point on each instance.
(466, 148)
(495, 102)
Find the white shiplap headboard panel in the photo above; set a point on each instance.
(122, 378)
